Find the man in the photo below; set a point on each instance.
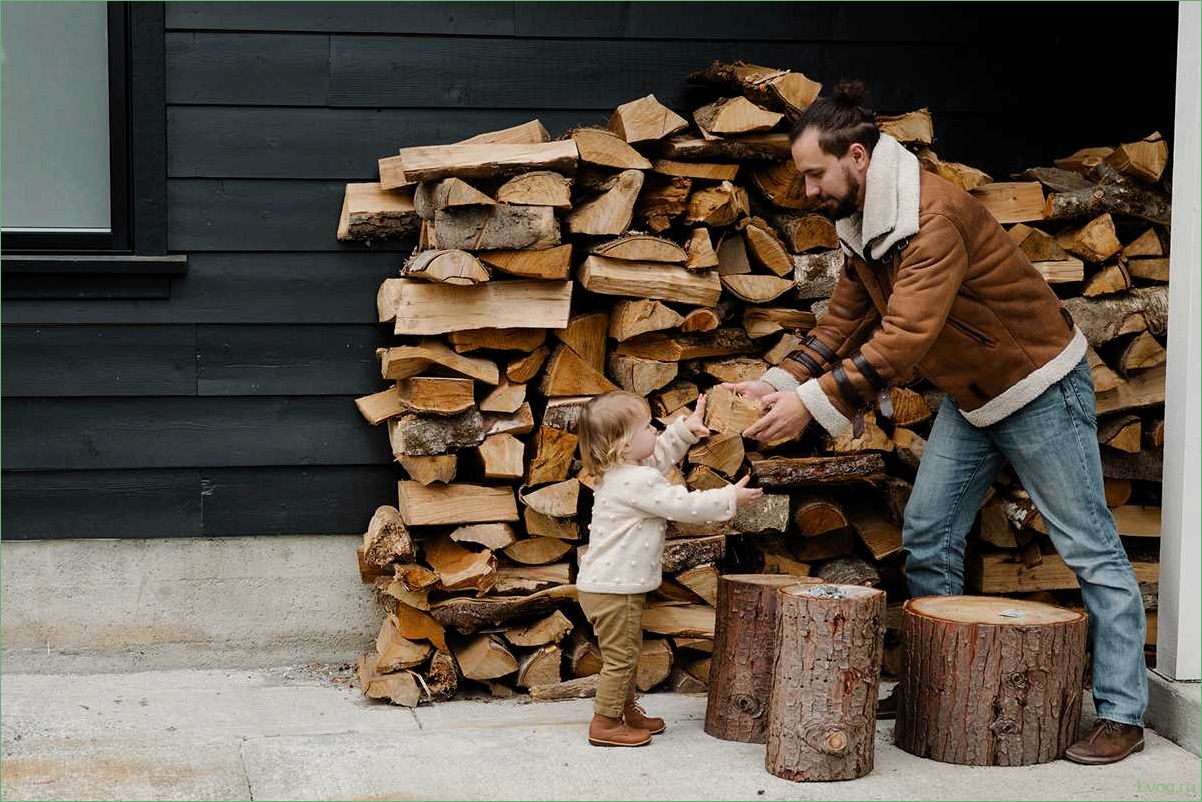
(934, 285)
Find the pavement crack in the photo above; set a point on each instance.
(250, 794)
(416, 719)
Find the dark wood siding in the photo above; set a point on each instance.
(220, 402)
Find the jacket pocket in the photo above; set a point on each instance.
(969, 331)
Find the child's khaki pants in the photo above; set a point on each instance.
(617, 621)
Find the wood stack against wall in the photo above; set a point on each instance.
(666, 255)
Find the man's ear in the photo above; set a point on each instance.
(858, 153)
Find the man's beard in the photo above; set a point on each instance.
(849, 203)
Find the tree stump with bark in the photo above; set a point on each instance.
(744, 651)
(822, 714)
(989, 681)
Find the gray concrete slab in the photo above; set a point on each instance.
(1175, 710)
(304, 734)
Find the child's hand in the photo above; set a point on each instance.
(745, 495)
(696, 421)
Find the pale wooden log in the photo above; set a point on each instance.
(1141, 353)
(735, 115)
(459, 568)
(828, 546)
(703, 478)
(416, 578)
(822, 707)
(817, 514)
(557, 500)
(767, 248)
(815, 274)
(468, 615)
(387, 540)
(655, 663)
(1084, 159)
(528, 133)
(520, 422)
(431, 435)
(564, 413)
(486, 160)
(810, 471)
(789, 92)
(787, 344)
(579, 688)
(485, 657)
(449, 193)
(553, 452)
(702, 580)
(537, 550)
(956, 707)
(1145, 159)
(911, 128)
(674, 397)
(806, 232)
(422, 505)
(388, 297)
(909, 407)
(525, 368)
(1037, 245)
(692, 620)
(505, 398)
(415, 624)
(728, 412)
(756, 289)
(436, 395)
(1102, 320)
(1137, 520)
(1147, 244)
(700, 250)
(1141, 390)
(499, 227)
(540, 667)
(539, 188)
(706, 171)
(1118, 491)
(642, 248)
(569, 375)
(908, 447)
(775, 558)
(1094, 241)
(399, 688)
(881, 536)
(963, 176)
(497, 339)
(584, 657)
(442, 677)
(391, 170)
(491, 536)
(370, 212)
(1012, 202)
(761, 321)
(1149, 269)
(610, 213)
(552, 628)
(782, 186)
(585, 334)
(1124, 433)
(732, 257)
(1003, 573)
(427, 470)
(662, 200)
(501, 457)
(735, 369)
(440, 308)
(748, 147)
(649, 280)
(604, 148)
(680, 347)
(531, 578)
(641, 376)
(717, 206)
(410, 360)
(1064, 271)
(548, 263)
(722, 452)
(631, 318)
(645, 120)
(381, 406)
(872, 438)
(1104, 379)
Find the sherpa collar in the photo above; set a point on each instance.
(890, 201)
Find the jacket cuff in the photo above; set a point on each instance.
(682, 430)
(821, 408)
(780, 379)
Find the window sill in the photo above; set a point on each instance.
(95, 264)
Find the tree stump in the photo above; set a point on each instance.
(822, 710)
(744, 650)
(989, 681)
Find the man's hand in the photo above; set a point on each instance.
(696, 421)
(786, 418)
(756, 390)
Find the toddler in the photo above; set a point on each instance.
(631, 507)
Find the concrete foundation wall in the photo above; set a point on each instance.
(120, 605)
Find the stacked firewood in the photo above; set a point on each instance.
(665, 256)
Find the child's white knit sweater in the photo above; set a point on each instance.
(631, 510)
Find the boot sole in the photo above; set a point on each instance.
(1102, 761)
(598, 742)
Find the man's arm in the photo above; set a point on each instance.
(927, 282)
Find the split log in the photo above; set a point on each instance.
(410, 360)
(611, 212)
(564, 413)
(653, 280)
(1104, 379)
(1102, 320)
(1137, 520)
(735, 115)
(584, 657)
(769, 514)
(490, 536)
(422, 505)
(631, 318)
(911, 128)
(442, 677)
(1142, 390)
(399, 688)
(872, 438)
(702, 580)
(761, 321)
(676, 395)
(415, 624)
(569, 375)
(501, 457)
(431, 435)
(816, 274)
(1094, 241)
(486, 160)
(579, 688)
(539, 668)
(435, 395)
(1149, 269)
(735, 369)
(700, 320)
(1065, 271)
(881, 536)
(427, 470)
(756, 289)
(449, 193)
(1123, 433)
(485, 657)
(806, 232)
(700, 250)
(717, 206)
(524, 368)
(1084, 159)
(1118, 491)
(642, 248)
(828, 546)
(556, 501)
(370, 212)
(963, 176)
(789, 92)
(655, 664)
(662, 200)
(520, 422)
(744, 650)
(548, 263)
(782, 186)
(809, 471)
(645, 120)
(703, 478)
(641, 376)
(706, 171)
(732, 257)
(908, 447)
(549, 629)
(468, 615)
(1147, 244)
(606, 149)
(540, 188)
(1012, 202)
(480, 228)
(530, 578)
(728, 412)
(749, 147)
(387, 540)
(440, 308)
(909, 407)
(553, 452)
(459, 568)
(691, 620)
(537, 550)
(585, 334)
(1145, 159)
(722, 452)
(528, 133)
(381, 406)
(548, 526)
(822, 709)
(818, 514)
(766, 247)
(1142, 353)
(680, 555)
(505, 398)
(971, 706)
(1003, 573)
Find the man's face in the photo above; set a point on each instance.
(836, 183)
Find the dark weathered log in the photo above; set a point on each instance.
(688, 552)
(1014, 699)
(805, 471)
(467, 615)
(1116, 194)
(744, 651)
(849, 571)
(822, 716)
(1102, 320)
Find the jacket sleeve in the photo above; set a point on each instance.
(671, 446)
(928, 279)
(849, 310)
(660, 499)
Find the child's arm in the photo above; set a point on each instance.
(673, 444)
(655, 496)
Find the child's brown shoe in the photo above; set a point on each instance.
(636, 716)
(606, 731)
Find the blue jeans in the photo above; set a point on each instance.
(1051, 443)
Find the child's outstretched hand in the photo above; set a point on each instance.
(696, 421)
(745, 495)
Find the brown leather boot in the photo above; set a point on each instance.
(606, 731)
(1108, 742)
(636, 716)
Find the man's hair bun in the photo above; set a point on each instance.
(850, 92)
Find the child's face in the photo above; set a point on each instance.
(642, 441)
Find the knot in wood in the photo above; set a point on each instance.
(1004, 726)
(1018, 680)
(828, 739)
(747, 705)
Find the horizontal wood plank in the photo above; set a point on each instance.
(248, 68)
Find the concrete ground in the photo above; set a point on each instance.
(305, 733)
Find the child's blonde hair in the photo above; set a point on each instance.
(605, 427)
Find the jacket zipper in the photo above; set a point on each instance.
(970, 331)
